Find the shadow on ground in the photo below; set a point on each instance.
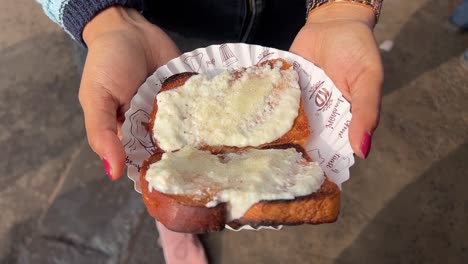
(91, 221)
(426, 41)
(425, 223)
(34, 109)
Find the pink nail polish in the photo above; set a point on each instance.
(107, 168)
(366, 144)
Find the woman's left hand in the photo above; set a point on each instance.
(338, 38)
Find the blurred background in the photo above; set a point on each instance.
(406, 204)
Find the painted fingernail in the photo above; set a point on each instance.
(107, 168)
(366, 144)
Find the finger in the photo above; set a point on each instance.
(365, 100)
(100, 110)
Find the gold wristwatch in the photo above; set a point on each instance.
(376, 5)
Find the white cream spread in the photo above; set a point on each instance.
(238, 179)
(257, 108)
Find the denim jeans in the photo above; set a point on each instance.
(460, 15)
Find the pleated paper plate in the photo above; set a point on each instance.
(327, 110)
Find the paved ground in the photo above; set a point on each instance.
(406, 204)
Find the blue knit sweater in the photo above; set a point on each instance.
(72, 15)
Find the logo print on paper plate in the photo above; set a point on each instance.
(210, 63)
(227, 56)
(341, 164)
(140, 135)
(162, 79)
(321, 96)
(337, 163)
(304, 77)
(264, 55)
(194, 61)
(317, 156)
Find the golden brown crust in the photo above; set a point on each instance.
(319, 207)
(170, 83)
(298, 134)
(182, 213)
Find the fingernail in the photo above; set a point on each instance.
(366, 144)
(107, 168)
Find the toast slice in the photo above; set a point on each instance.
(298, 134)
(183, 213)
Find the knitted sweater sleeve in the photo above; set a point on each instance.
(72, 15)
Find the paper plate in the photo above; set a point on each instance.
(327, 110)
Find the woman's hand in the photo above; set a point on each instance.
(338, 38)
(123, 50)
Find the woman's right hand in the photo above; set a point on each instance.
(123, 50)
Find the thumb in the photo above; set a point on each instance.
(365, 101)
(100, 113)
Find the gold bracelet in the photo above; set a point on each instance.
(376, 5)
